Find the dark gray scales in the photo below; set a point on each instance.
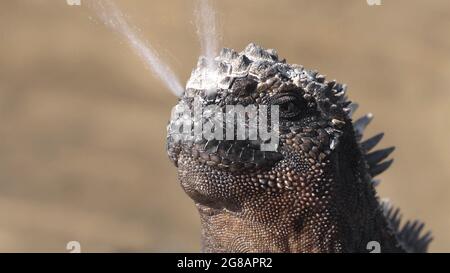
(315, 193)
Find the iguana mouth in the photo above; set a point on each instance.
(233, 155)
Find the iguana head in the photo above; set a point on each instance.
(300, 195)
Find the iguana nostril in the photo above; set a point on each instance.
(211, 94)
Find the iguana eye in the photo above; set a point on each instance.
(290, 105)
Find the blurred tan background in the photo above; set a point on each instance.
(82, 122)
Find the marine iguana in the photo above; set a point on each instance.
(314, 193)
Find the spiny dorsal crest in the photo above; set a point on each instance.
(408, 235)
(375, 160)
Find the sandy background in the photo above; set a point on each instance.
(82, 122)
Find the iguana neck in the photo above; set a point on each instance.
(347, 223)
(361, 218)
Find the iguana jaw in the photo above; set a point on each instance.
(283, 208)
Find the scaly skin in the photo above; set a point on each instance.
(314, 194)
